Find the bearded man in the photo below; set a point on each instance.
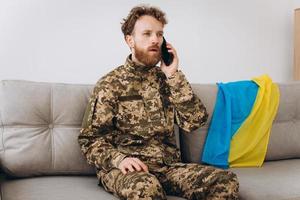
(128, 128)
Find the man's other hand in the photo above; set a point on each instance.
(132, 164)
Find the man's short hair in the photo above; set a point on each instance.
(139, 11)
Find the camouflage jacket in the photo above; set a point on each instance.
(132, 112)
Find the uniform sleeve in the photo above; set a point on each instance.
(190, 113)
(97, 134)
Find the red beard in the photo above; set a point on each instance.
(150, 57)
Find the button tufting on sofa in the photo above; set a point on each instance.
(30, 146)
(51, 126)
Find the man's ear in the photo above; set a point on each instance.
(129, 40)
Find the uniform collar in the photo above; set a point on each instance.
(136, 68)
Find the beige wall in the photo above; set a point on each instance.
(77, 41)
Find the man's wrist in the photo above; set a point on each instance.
(119, 159)
(170, 76)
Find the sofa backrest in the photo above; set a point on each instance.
(40, 122)
(285, 133)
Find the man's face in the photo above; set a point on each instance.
(146, 40)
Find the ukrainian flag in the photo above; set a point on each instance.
(240, 127)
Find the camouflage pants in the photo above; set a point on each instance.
(190, 181)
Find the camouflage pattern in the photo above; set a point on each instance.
(191, 181)
(131, 113)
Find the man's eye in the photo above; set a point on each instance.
(147, 34)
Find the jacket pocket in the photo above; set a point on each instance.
(130, 109)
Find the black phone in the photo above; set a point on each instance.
(166, 56)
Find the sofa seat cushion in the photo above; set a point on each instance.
(56, 188)
(274, 180)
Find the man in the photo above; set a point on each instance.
(128, 128)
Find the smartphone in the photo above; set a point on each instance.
(166, 56)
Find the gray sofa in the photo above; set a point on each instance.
(40, 158)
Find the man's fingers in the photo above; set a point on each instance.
(136, 165)
(144, 167)
(123, 170)
(171, 49)
(129, 167)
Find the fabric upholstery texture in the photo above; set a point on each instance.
(40, 122)
(57, 188)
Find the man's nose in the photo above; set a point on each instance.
(154, 39)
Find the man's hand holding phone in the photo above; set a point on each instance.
(172, 68)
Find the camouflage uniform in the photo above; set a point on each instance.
(131, 113)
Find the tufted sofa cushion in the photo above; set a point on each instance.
(40, 123)
(285, 133)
